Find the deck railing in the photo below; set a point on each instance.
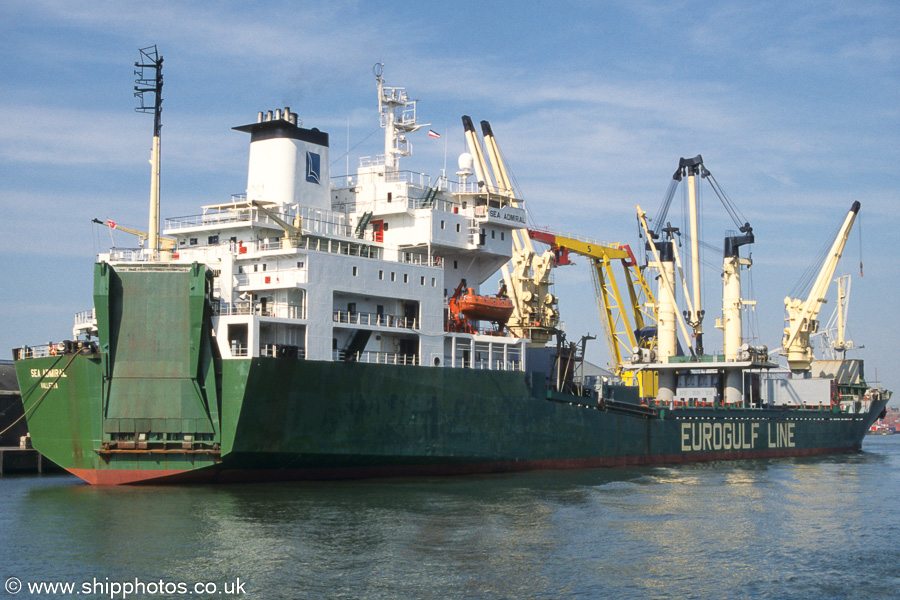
(374, 319)
(280, 310)
(276, 350)
(381, 358)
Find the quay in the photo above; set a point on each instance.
(14, 460)
(16, 454)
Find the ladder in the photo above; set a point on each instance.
(362, 224)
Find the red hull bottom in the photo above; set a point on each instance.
(217, 475)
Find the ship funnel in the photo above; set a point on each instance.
(288, 165)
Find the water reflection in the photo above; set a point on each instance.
(740, 529)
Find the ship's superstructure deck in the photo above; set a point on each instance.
(359, 268)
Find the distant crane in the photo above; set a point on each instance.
(834, 336)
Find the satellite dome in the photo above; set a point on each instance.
(466, 162)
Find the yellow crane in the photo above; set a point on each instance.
(623, 317)
(164, 242)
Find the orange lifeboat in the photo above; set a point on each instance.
(484, 308)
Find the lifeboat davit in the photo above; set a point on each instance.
(485, 308)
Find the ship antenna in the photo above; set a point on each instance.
(150, 80)
(398, 117)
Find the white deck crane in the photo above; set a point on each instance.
(801, 314)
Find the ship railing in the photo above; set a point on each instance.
(580, 238)
(41, 351)
(196, 253)
(282, 351)
(222, 217)
(373, 357)
(323, 222)
(85, 317)
(481, 329)
(718, 403)
(280, 310)
(317, 244)
(414, 258)
(263, 246)
(276, 278)
(347, 248)
(448, 206)
(205, 253)
(400, 204)
(85, 323)
(313, 220)
(368, 162)
(413, 177)
(374, 319)
(129, 255)
(484, 365)
(239, 349)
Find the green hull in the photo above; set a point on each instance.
(156, 403)
(286, 419)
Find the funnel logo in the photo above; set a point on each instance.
(312, 167)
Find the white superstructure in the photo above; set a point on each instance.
(355, 268)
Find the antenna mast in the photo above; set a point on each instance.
(151, 82)
(398, 117)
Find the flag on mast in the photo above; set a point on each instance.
(433, 133)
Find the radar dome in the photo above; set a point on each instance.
(466, 162)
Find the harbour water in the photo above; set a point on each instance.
(816, 528)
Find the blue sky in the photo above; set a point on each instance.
(794, 107)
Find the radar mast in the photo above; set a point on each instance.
(398, 117)
(150, 81)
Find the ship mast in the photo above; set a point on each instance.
(151, 83)
(398, 117)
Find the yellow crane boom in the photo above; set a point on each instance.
(621, 316)
(164, 242)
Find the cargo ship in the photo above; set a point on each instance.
(319, 327)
